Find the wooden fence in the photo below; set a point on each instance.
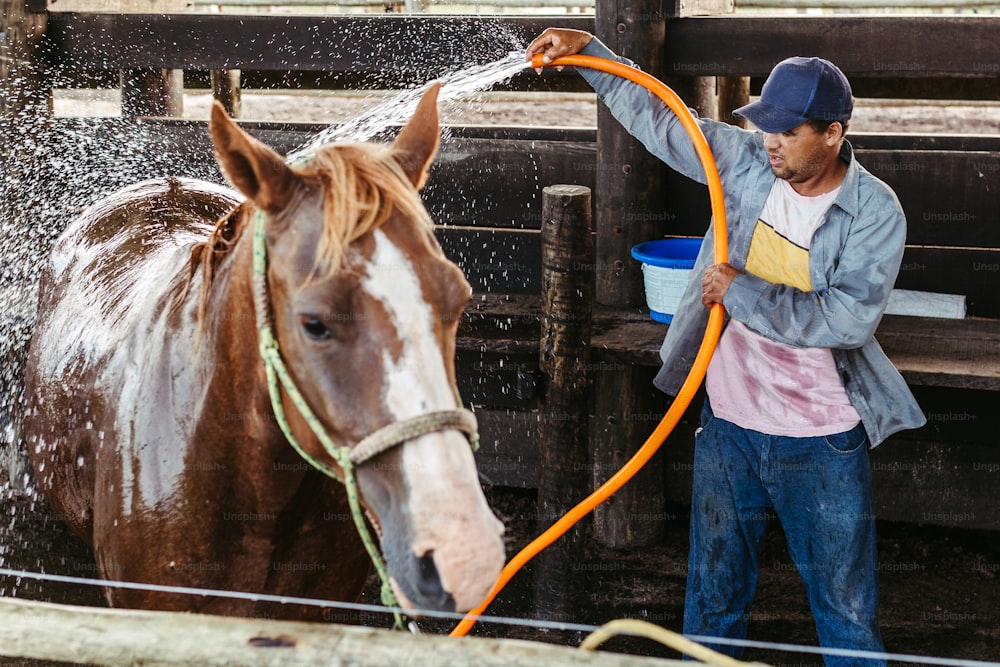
(125, 637)
(485, 194)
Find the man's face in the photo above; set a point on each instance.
(797, 154)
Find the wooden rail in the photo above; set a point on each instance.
(391, 44)
(958, 56)
(125, 637)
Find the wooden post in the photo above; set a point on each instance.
(628, 193)
(734, 92)
(152, 92)
(227, 89)
(25, 110)
(629, 205)
(705, 99)
(564, 358)
(25, 103)
(628, 411)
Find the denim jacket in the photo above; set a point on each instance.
(854, 257)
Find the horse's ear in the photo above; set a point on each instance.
(417, 142)
(253, 168)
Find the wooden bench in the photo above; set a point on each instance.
(931, 352)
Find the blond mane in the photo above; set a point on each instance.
(363, 184)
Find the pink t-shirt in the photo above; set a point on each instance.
(764, 385)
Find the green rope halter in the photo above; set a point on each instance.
(347, 458)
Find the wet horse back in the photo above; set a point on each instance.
(105, 290)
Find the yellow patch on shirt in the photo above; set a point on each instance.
(777, 260)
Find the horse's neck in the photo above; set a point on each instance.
(228, 345)
(250, 439)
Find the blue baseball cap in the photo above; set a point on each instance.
(798, 90)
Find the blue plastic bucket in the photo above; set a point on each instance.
(666, 268)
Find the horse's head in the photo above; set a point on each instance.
(365, 307)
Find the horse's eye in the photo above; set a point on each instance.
(315, 328)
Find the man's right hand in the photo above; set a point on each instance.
(557, 42)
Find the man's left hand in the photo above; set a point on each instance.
(715, 283)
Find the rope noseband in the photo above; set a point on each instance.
(347, 458)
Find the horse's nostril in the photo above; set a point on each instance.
(429, 582)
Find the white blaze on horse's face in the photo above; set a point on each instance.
(452, 527)
(417, 382)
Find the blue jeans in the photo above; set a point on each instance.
(820, 490)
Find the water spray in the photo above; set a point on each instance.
(712, 331)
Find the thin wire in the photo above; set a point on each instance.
(289, 599)
(500, 620)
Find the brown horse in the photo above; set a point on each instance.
(148, 418)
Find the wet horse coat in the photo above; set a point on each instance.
(147, 414)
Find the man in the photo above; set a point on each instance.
(798, 389)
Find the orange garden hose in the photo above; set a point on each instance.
(698, 369)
